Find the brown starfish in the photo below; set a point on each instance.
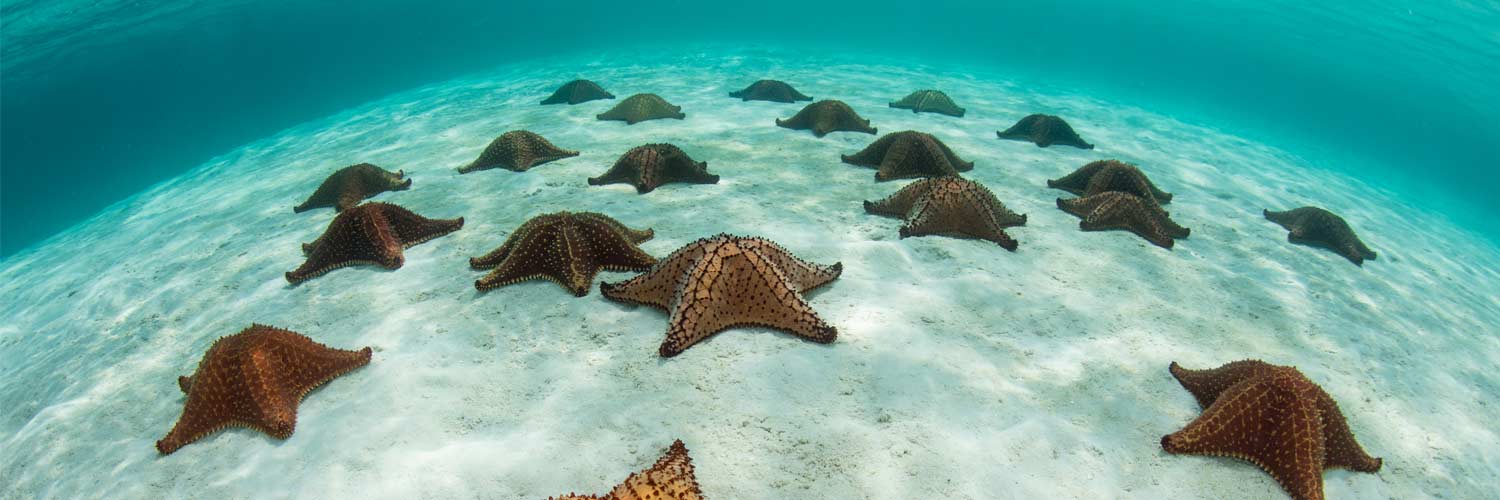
(827, 116)
(642, 107)
(651, 165)
(670, 479)
(517, 150)
(372, 233)
(1044, 130)
(577, 91)
(1272, 416)
(1318, 227)
(770, 90)
(1120, 210)
(567, 248)
(908, 154)
(931, 101)
(950, 205)
(723, 282)
(346, 187)
(1110, 175)
(255, 378)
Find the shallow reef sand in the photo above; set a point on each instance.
(961, 370)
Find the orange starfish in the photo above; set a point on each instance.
(670, 479)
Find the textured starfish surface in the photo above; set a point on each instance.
(909, 154)
(651, 165)
(1318, 227)
(723, 282)
(827, 116)
(1044, 130)
(517, 150)
(1272, 416)
(642, 107)
(567, 248)
(770, 90)
(670, 479)
(350, 185)
(255, 378)
(930, 101)
(950, 205)
(578, 91)
(372, 233)
(1110, 175)
(1121, 210)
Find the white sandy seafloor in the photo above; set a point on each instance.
(961, 370)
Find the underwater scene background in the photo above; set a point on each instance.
(153, 153)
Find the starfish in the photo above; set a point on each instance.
(1318, 227)
(827, 116)
(255, 378)
(578, 91)
(517, 150)
(652, 165)
(1110, 175)
(931, 101)
(724, 281)
(670, 479)
(1272, 416)
(950, 205)
(642, 107)
(770, 90)
(1044, 130)
(567, 248)
(1120, 210)
(909, 154)
(372, 233)
(346, 187)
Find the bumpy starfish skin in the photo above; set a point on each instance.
(909, 154)
(931, 101)
(1044, 130)
(648, 167)
(723, 282)
(577, 91)
(642, 107)
(255, 378)
(1318, 227)
(1120, 210)
(670, 479)
(372, 233)
(827, 116)
(950, 205)
(567, 248)
(1272, 416)
(770, 90)
(1110, 175)
(348, 186)
(517, 150)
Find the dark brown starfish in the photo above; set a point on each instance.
(346, 187)
(670, 479)
(372, 233)
(577, 91)
(1272, 416)
(1044, 130)
(1110, 175)
(931, 101)
(827, 116)
(517, 150)
(723, 282)
(950, 205)
(1318, 227)
(1120, 210)
(652, 165)
(567, 248)
(908, 154)
(642, 107)
(255, 378)
(770, 90)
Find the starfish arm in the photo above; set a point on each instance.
(527, 259)
(349, 196)
(656, 287)
(901, 202)
(1205, 385)
(803, 275)
(411, 229)
(1341, 450)
(897, 162)
(633, 235)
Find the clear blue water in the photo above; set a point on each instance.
(102, 99)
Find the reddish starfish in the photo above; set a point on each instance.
(518, 151)
(648, 167)
(670, 479)
(566, 248)
(1121, 210)
(346, 187)
(372, 233)
(827, 116)
(907, 154)
(255, 378)
(1044, 130)
(1272, 416)
(950, 205)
